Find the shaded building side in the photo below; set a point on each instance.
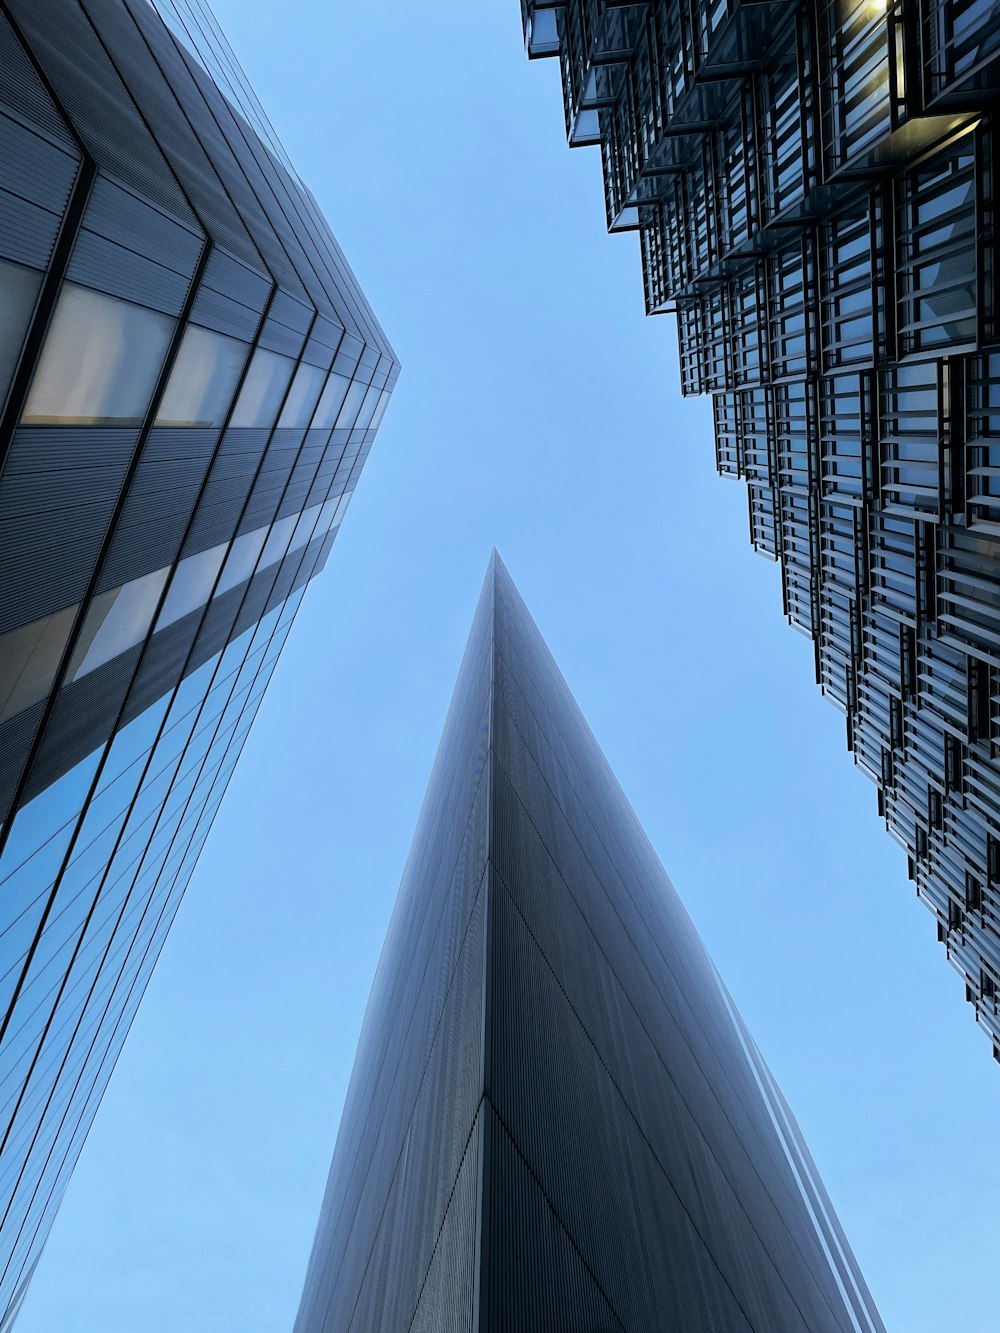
(190, 383)
(556, 1117)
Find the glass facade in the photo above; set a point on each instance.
(175, 312)
(812, 189)
(557, 1119)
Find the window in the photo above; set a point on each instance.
(982, 439)
(973, 893)
(864, 84)
(302, 396)
(304, 527)
(910, 437)
(277, 540)
(263, 389)
(962, 36)
(100, 362)
(895, 722)
(18, 290)
(331, 400)
(29, 659)
(935, 808)
(352, 402)
(367, 411)
(241, 560)
(937, 247)
(341, 510)
(953, 762)
(980, 699)
(116, 621)
(192, 583)
(379, 412)
(853, 285)
(203, 379)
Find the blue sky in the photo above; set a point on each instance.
(539, 411)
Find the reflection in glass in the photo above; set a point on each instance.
(349, 409)
(192, 583)
(100, 361)
(29, 659)
(120, 618)
(203, 379)
(18, 289)
(330, 401)
(367, 408)
(51, 812)
(302, 396)
(116, 621)
(241, 560)
(277, 541)
(379, 412)
(263, 389)
(304, 527)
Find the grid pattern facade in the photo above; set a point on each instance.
(190, 383)
(556, 1118)
(812, 188)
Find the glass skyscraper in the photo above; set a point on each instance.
(812, 188)
(557, 1119)
(191, 381)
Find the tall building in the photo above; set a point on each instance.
(557, 1120)
(812, 188)
(191, 381)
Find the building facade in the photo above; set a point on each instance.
(812, 188)
(190, 382)
(557, 1119)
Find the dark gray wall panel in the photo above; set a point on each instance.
(25, 94)
(95, 99)
(57, 496)
(231, 297)
(158, 507)
(82, 717)
(16, 735)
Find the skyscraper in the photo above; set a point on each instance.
(557, 1119)
(190, 381)
(812, 188)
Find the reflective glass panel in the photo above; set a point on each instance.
(241, 560)
(116, 621)
(263, 389)
(379, 412)
(192, 583)
(29, 659)
(100, 361)
(203, 379)
(341, 510)
(367, 409)
(302, 396)
(331, 400)
(52, 811)
(304, 527)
